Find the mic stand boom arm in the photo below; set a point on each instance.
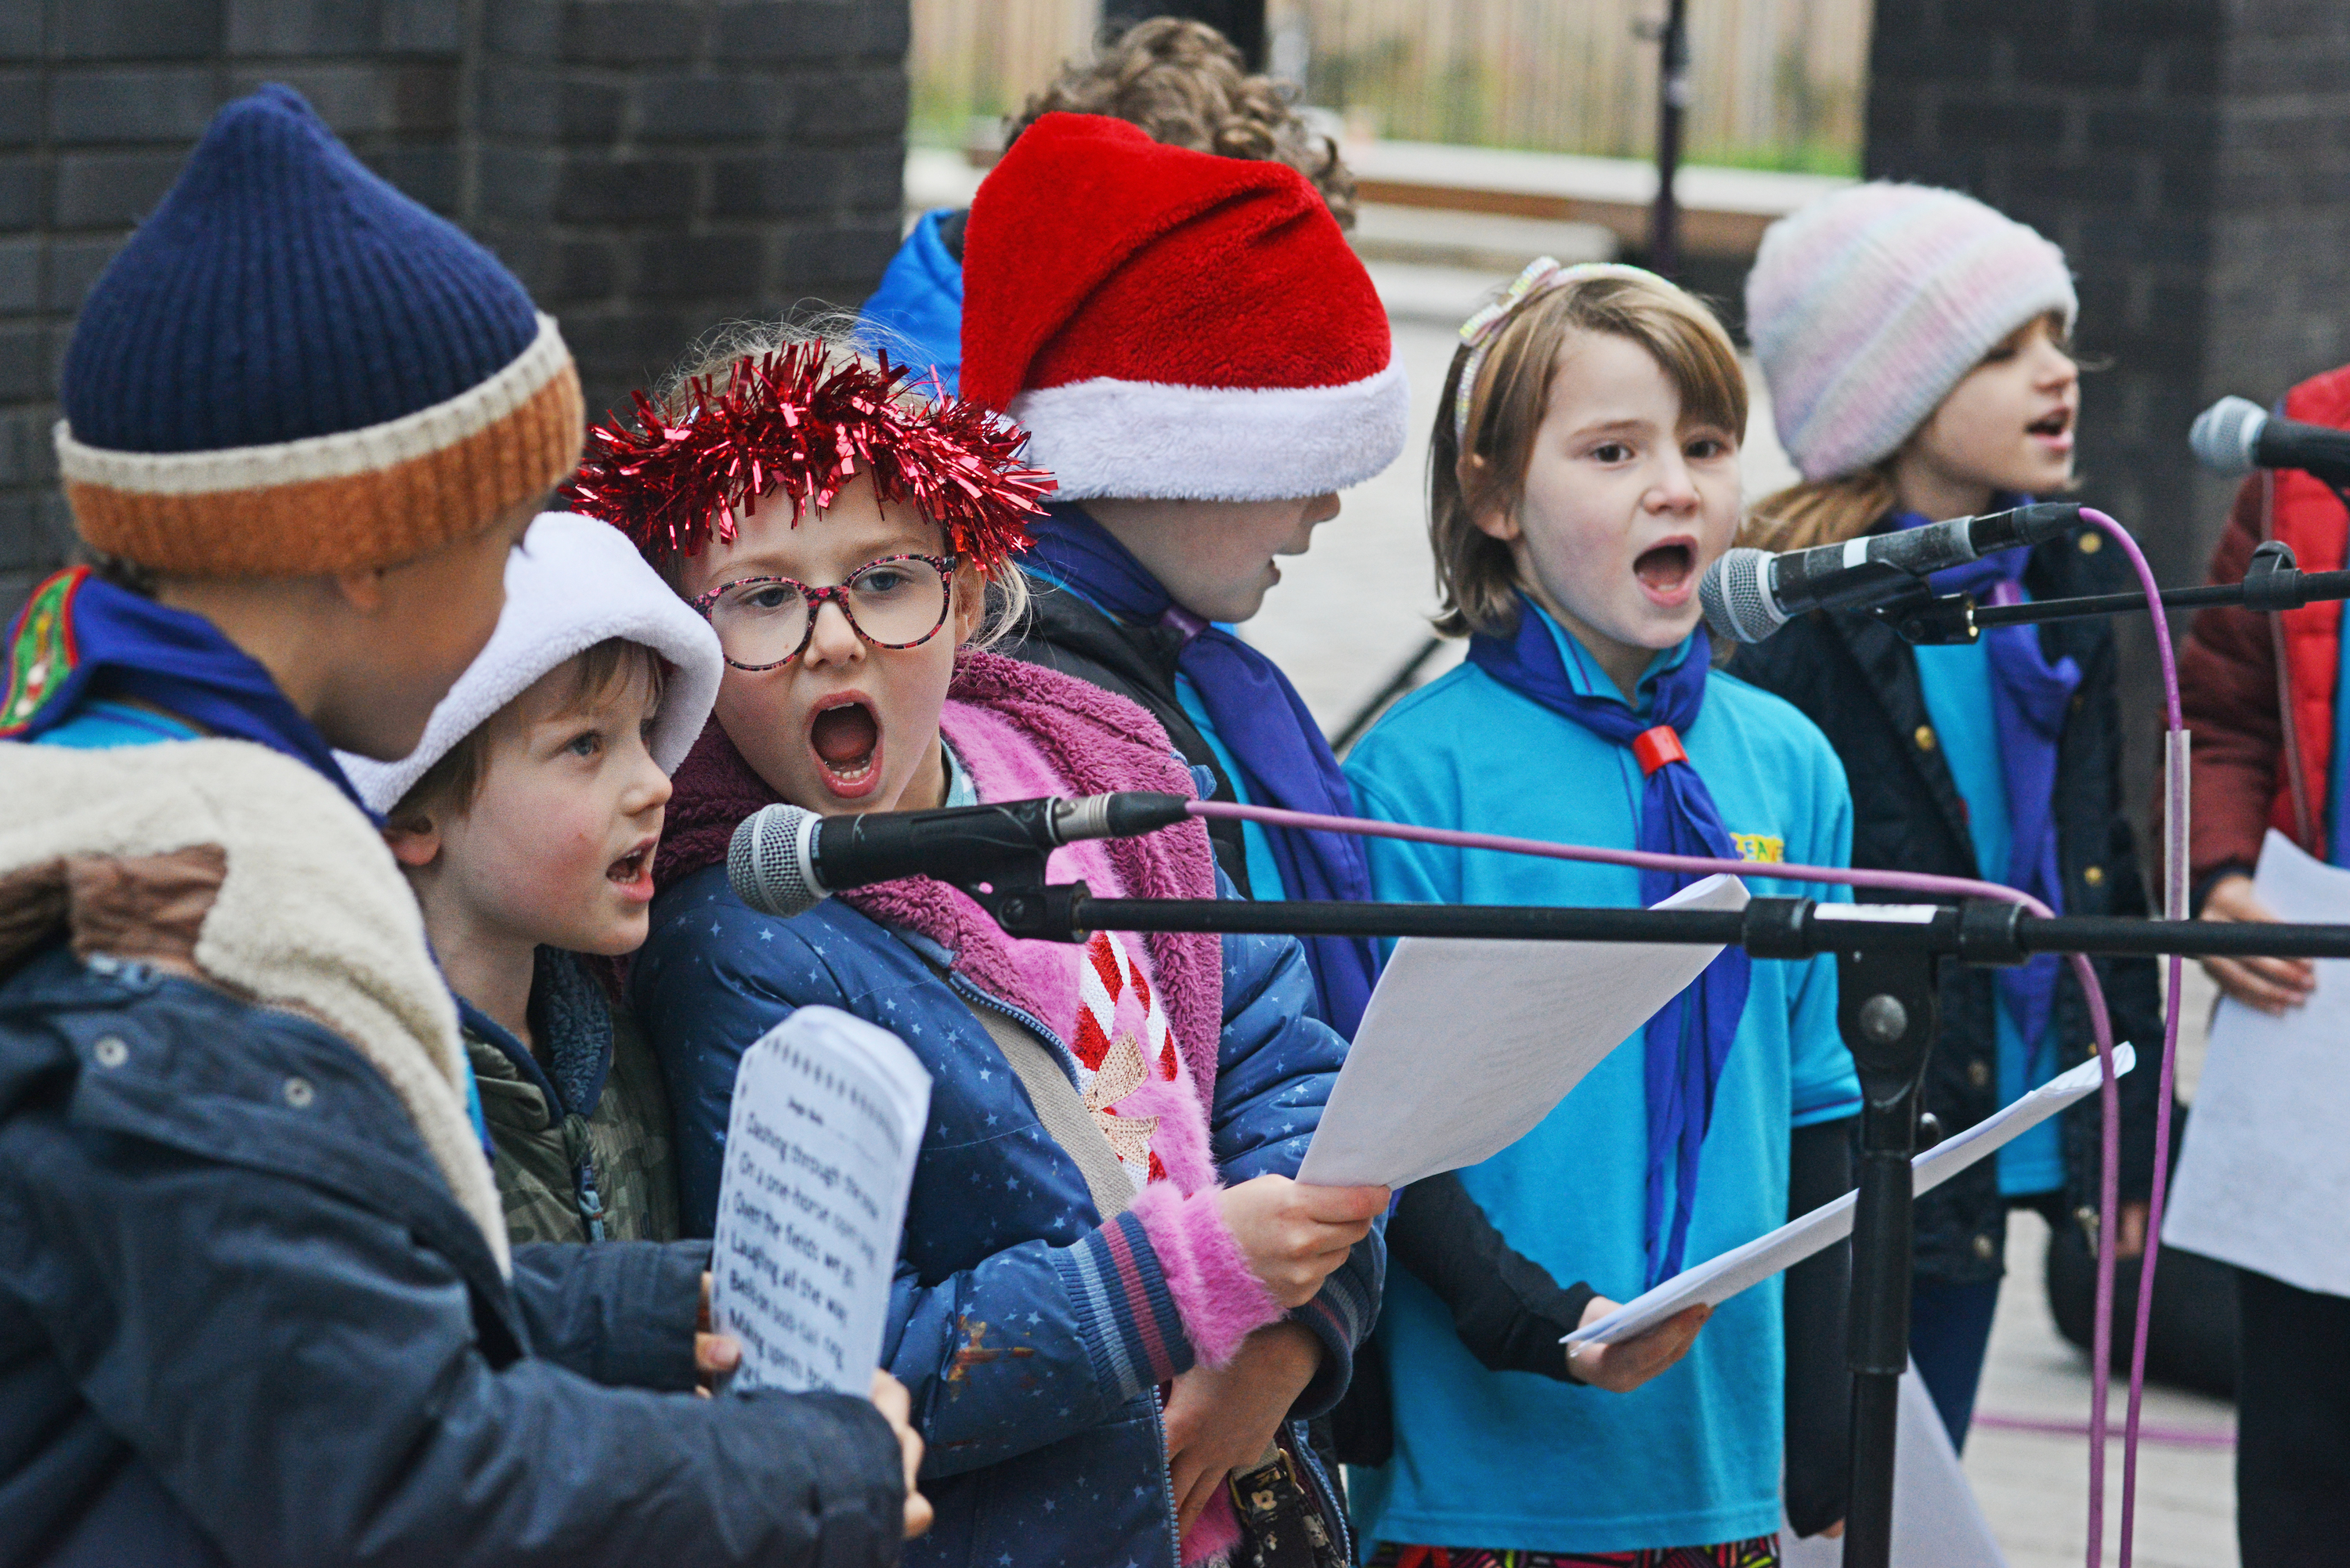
(1888, 962)
(2271, 582)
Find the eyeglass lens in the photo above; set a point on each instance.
(894, 602)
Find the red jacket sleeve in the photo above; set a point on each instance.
(2228, 689)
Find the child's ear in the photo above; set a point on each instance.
(414, 841)
(1492, 519)
(970, 601)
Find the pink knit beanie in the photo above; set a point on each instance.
(1867, 306)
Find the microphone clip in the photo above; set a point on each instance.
(1924, 617)
(1024, 904)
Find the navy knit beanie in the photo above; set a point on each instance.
(316, 372)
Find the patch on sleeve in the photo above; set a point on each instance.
(40, 651)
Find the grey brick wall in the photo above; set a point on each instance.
(2193, 159)
(649, 167)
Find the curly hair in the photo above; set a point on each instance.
(1186, 86)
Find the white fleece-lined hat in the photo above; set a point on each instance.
(575, 583)
(1867, 306)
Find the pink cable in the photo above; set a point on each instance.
(2175, 830)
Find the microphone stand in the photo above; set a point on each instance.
(1889, 961)
(2271, 582)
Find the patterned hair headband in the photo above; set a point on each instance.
(1542, 275)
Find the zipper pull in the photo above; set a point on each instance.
(583, 1176)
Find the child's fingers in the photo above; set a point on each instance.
(1343, 1205)
(715, 1354)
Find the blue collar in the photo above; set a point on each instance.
(80, 637)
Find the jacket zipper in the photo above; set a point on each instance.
(971, 992)
(1166, 1473)
(588, 1194)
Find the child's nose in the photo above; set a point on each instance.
(833, 640)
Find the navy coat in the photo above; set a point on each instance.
(1857, 681)
(335, 1371)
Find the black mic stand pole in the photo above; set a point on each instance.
(1887, 965)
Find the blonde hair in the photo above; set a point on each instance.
(1476, 576)
(711, 360)
(1186, 86)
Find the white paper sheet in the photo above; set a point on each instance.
(1467, 1044)
(827, 1118)
(1720, 1278)
(1937, 1522)
(2263, 1179)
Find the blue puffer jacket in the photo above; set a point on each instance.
(1032, 1336)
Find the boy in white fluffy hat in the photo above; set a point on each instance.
(527, 822)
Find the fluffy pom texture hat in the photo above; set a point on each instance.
(1867, 306)
(294, 368)
(574, 583)
(1173, 324)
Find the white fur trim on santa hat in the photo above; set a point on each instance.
(1145, 438)
(575, 582)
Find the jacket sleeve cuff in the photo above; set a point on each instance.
(1127, 1317)
(1341, 1315)
(1220, 1297)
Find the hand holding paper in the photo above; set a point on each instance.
(1717, 1280)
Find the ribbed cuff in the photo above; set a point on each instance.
(1126, 1313)
(1222, 1300)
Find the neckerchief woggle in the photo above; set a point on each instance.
(1261, 720)
(1687, 1040)
(80, 636)
(2029, 700)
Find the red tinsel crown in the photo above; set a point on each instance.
(790, 422)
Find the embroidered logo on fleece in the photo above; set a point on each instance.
(1767, 847)
(1122, 1042)
(41, 652)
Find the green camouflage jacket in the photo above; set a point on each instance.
(585, 1150)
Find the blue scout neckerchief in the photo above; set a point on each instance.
(80, 635)
(1687, 1042)
(1259, 716)
(2029, 700)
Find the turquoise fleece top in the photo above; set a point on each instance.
(1507, 1459)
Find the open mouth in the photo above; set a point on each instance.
(632, 873)
(1667, 570)
(2052, 425)
(847, 739)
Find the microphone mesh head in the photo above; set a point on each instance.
(2224, 433)
(1737, 606)
(767, 861)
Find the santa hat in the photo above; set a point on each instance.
(1174, 323)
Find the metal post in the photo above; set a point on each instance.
(1886, 1006)
(1672, 105)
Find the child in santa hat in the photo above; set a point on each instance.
(1185, 85)
(1096, 1329)
(1203, 364)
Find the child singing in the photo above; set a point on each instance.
(1584, 473)
(1084, 1310)
(526, 823)
(1914, 341)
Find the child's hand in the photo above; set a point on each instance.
(1222, 1419)
(2270, 984)
(1293, 1235)
(1623, 1366)
(890, 1399)
(714, 1354)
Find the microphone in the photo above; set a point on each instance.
(784, 860)
(1749, 594)
(2235, 435)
